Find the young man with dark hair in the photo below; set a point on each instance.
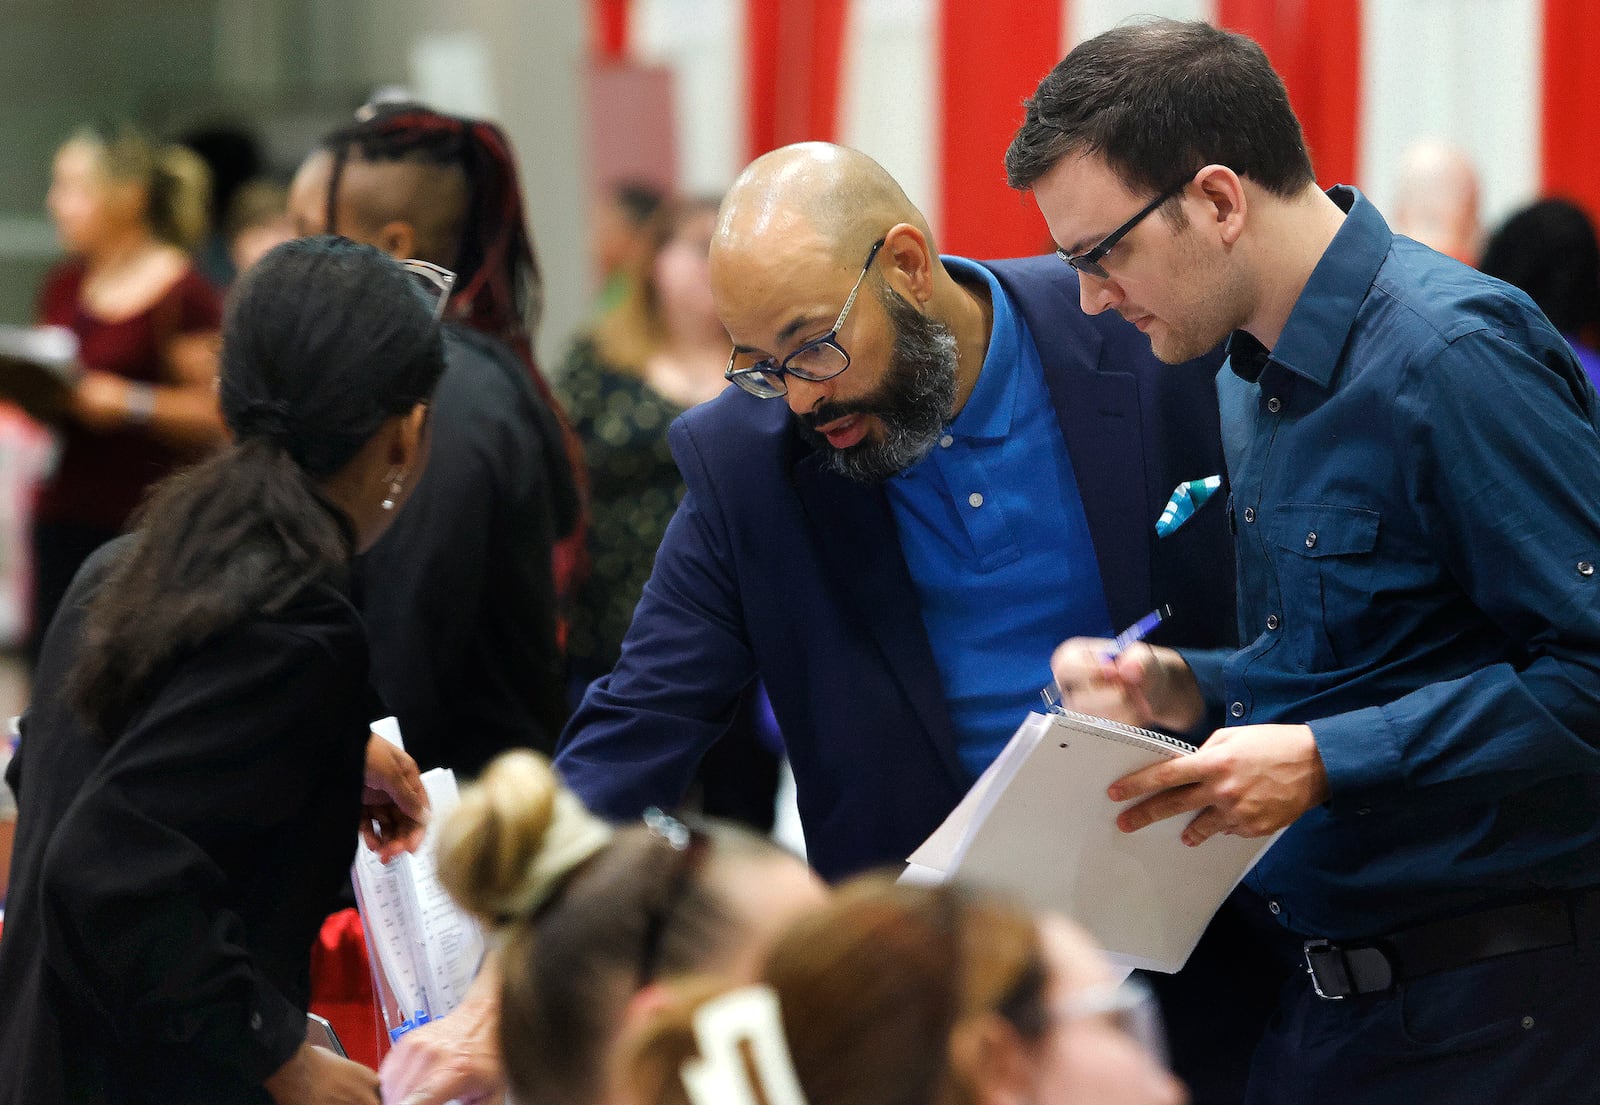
(1411, 448)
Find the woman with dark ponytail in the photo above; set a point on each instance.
(190, 771)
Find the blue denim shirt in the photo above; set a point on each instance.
(1415, 491)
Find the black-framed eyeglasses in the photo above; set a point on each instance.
(691, 846)
(1089, 260)
(432, 283)
(817, 360)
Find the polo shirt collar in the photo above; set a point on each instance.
(1321, 320)
(991, 408)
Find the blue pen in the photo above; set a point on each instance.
(1138, 631)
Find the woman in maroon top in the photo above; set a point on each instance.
(146, 322)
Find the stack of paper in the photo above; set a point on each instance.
(425, 948)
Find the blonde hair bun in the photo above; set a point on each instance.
(516, 835)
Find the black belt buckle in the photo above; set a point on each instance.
(1330, 976)
(1338, 972)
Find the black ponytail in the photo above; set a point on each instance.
(323, 341)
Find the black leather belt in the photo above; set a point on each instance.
(1370, 967)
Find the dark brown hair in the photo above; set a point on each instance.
(1158, 100)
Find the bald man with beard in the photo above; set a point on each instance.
(929, 471)
(459, 597)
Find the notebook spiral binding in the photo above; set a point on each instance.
(1137, 735)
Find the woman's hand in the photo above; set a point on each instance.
(394, 805)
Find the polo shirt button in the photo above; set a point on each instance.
(975, 499)
(946, 441)
(255, 1022)
(1585, 568)
(1311, 540)
(1274, 908)
(1274, 404)
(1272, 621)
(1237, 709)
(1249, 514)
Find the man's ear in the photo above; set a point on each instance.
(397, 238)
(991, 1058)
(908, 262)
(1227, 205)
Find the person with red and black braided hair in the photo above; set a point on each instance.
(463, 600)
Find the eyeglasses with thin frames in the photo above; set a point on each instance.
(1089, 260)
(433, 284)
(817, 360)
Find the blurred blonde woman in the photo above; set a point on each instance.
(593, 922)
(128, 213)
(908, 995)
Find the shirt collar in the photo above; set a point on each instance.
(990, 408)
(1322, 317)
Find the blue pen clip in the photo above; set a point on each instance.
(1186, 499)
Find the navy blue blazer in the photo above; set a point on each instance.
(774, 567)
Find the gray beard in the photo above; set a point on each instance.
(912, 405)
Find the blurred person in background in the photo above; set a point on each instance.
(1549, 250)
(190, 771)
(621, 228)
(658, 352)
(232, 154)
(1436, 200)
(257, 219)
(460, 597)
(128, 212)
(592, 922)
(912, 995)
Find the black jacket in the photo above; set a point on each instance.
(167, 886)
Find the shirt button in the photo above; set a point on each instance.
(1274, 405)
(1237, 709)
(1272, 621)
(255, 1022)
(975, 499)
(946, 441)
(1274, 908)
(1311, 540)
(1585, 568)
(1249, 514)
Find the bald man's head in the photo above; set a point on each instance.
(839, 196)
(407, 208)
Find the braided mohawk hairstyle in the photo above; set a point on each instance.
(499, 290)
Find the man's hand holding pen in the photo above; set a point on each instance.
(1249, 780)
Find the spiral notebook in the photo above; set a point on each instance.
(1038, 827)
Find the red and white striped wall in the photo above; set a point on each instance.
(932, 88)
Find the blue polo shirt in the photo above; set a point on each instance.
(994, 534)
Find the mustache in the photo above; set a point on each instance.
(828, 411)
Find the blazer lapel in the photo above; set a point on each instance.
(1098, 409)
(860, 550)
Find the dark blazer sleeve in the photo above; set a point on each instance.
(131, 889)
(641, 731)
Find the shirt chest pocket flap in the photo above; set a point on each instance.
(1324, 571)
